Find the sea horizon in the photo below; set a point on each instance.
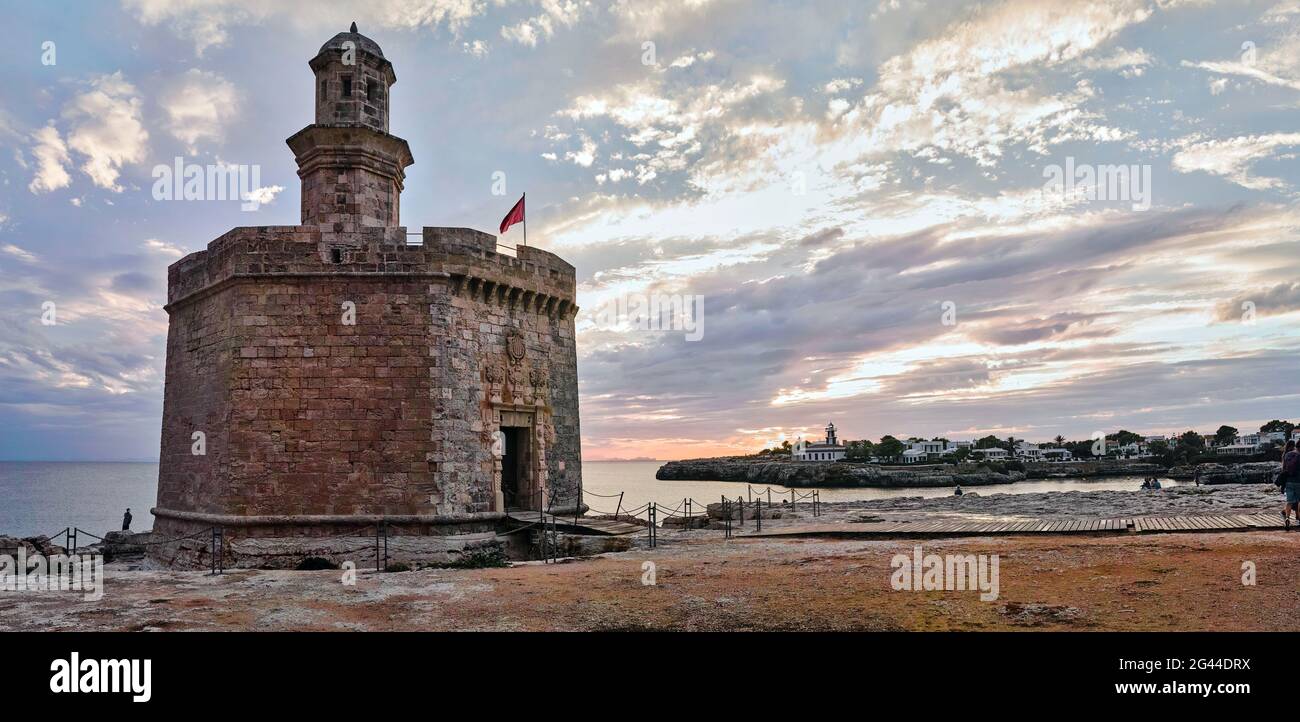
(44, 497)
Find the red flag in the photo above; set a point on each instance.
(516, 214)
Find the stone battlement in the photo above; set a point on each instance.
(470, 258)
(334, 374)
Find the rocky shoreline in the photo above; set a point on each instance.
(829, 474)
(1262, 472)
(841, 474)
(122, 549)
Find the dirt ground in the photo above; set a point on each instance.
(1189, 581)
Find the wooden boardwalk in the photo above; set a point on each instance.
(583, 525)
(1090, 525)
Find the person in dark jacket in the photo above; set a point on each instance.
(1289, 479)
(126, 520)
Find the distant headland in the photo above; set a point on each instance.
(1225, 456)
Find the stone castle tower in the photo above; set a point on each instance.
(329, 377)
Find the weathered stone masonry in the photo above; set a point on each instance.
(342, 377)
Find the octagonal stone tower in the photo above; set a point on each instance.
(330, 378)
(352, 169)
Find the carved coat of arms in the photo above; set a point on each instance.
(538, 377)
(515, 346)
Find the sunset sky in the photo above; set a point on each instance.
(827, 176)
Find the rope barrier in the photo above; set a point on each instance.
(674, 511)
(634, 512)
(653, 511)
(598, 512)
(55, 535)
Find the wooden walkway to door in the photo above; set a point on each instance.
(956, 527)
(582, 525)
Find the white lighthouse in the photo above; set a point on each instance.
(828, 450)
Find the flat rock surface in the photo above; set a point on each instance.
(1166, 582)
(1176, 581)
(1171, 501)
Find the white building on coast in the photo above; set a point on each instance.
(829, 450)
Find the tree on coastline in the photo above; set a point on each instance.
(1124, 437)
(889, 447)
(860, 450)
(1225, 435)
(1079, 449)
(1161, 450)
(1278, 425)
(784, 448)
(1190, 445)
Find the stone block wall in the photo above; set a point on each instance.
(355, 93)
(315, 424)
(352, 177)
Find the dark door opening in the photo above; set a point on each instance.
(514, 468)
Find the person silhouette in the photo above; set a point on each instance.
(126, 520)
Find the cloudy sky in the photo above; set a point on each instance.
(863, 194)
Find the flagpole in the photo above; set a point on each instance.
(525, 200)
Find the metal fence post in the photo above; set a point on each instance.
(218, 547)
(620, 505)
(758, 515)
(769, 496)
(652, 518)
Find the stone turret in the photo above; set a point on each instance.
(333, 378)
(352, 168)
